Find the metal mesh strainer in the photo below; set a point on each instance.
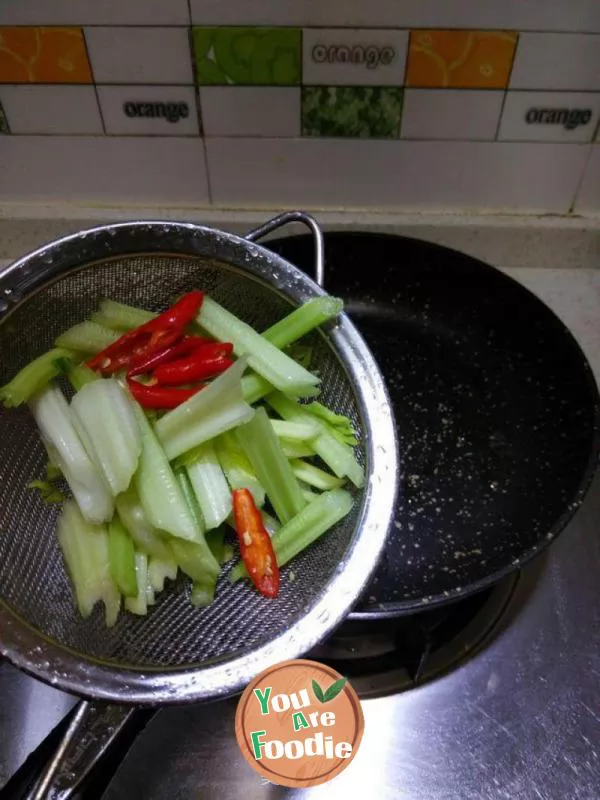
(177, 652)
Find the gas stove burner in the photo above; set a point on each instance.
(391, 655)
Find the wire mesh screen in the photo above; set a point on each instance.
(33, 581)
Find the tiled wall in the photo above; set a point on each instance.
(478, 104)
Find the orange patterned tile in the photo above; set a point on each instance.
(460, 59)
(43, 55)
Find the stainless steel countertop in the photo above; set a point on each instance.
(518, 721)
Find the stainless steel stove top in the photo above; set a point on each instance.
(518, 719)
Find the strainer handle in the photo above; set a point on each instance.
(305, 219)
(92, 730)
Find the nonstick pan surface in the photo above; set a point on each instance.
(496, 408)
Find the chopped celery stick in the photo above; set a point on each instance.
(303, 319)
(158, 488)
(339, 457)
(145, 536)
(217, 408)
(202, 594)
(254, 388)
(85, 550)
(53, 472)
(159, 570)
(106, 413)
(139, 604)
(300, 532)
(56, 422)
(307, 493)
(196, 561)
(49, 493)
(87, 337)
(339, 425)
(209, 484)
(271, 524)
(300, 431)
(150, 596)
(32, 378)
(78, 374)
(272, 468)
(236, 466)
(190, 498)
(119, 317)
(296, 449)
(121, 556)
(216, 542)
(264, 358)
(314, 476)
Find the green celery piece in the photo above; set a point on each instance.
(236, 466)
(209, 484)
(303, 319)
(106, 414)
(121, 556)
(254, 388)
(216, 542)
(87, 337)
(49, 493)
(271, 524)
(145, 536)
(53, 472)
(189, 495)
(79, 375)
(194, 558)
(299, 431)
(158, 489)
(307, 493)
(271, 466)
(314, 476)
(339, 425)
(150, 594)
(203, 594)
(217, 408)
(57, 424)
(296, 449)
(339, 457)
(300, 532)
(159, 571)
(85, 551)
(33, 377)
(263, 357)
(139, 604)
(120, 317)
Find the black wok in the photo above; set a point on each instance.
(496, 408)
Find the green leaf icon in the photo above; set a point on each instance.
(318, 692)
(334, 690)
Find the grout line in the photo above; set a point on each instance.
(581, 179)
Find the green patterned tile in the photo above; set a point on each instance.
(355, 111)
(248, 56)
(3, 121)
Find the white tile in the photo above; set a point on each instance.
(381, 174)
(557, 61)
(250, 110)
(588, 197)
(147, 171)
(155, 110)
(51, 109)
(353, 57)
(94, 12)
(450, 114)
(550, 116)
(140, 55)
(551, 15)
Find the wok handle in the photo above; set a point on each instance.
(305, 219)
(92, 730)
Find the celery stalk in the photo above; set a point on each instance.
(159, 571)
(106, 413)
(85, 550)
(272, 468)
(56, 422)
(79, 375)
(271, 524)
(87, 337)
(303, 319)
(236, 466)
(158, 488)
(194, 558)
(264, 358)
(314, 476)
(120, 317)
(210, 412)
(305, 528)
(296, 449)
(139, 604)
(202, 594)
(121, 557)
(145, 536)
(216, 542)
(339, 457)
(299, 431)
(33, 377)
(255, 388)
(209, 485)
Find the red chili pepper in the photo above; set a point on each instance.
(147, 363)
(256, 547)
(152, 396)
(204, 363)
(157, 334)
